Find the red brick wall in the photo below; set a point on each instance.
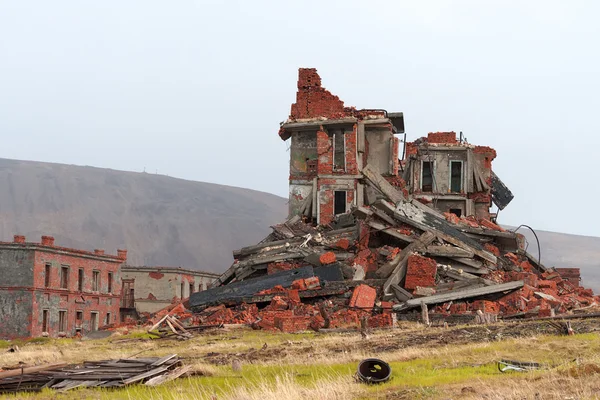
(441, 137)
(313, 100)
(324, 152)
(54, 298)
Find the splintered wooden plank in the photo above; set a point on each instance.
(447, 251)
(30, 370)
(399, 272)
(163, 360)
(375, 179)
(160, 379)
(460, 294)
(147, 374)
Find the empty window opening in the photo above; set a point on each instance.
(456, 211)
(339, 150)
(94, 321)
(107, 319)
(96, 281)
(427, 176)
(47, 275)
(191, 288)
(339, 202)
(62, 321)
(201, 287)
(79, 316)
(80, 280)
(456, 176)
(182, 287)
(44, 320)
(64, 277)
(110, 282)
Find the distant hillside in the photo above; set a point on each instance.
(168, 221)
(160, 220)
(564, 250)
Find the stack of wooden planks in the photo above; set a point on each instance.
(106, 373)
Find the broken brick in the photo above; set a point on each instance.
(421, 271)
(327, 258)
(363, 297)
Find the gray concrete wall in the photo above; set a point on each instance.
(379, 149)
(15, 313)
(16, 267)
(298, 194)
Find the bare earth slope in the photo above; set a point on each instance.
(168, 221)
(159, 219)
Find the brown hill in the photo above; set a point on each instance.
(169, 221)
(159, 219)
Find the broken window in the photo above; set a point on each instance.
(47, 275)
(95, 281)
(94, 321)
(339, 202)
(80, 280)
(79, 316)
(456, 211)
(427, 176)
(110, 282)
(339, 150)
(62, 321)
(456, 176)
(64, 277)
(44, 320)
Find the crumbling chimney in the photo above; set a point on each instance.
(122, 254)
(47, 241)
(99, 252)
(19, 239)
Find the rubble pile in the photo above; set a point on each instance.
(382, 262)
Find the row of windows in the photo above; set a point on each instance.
(428, 183)
(63, 320)
(191, 288)
(65, 272)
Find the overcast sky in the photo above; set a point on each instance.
(196, 89)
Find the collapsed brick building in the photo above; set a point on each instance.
(372, 236)
(56, 291)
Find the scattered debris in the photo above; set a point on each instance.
(107, 374)
(520, 366)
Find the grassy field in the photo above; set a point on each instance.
(427, 363)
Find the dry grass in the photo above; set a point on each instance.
(322, 366)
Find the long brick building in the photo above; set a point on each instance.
(56, 291)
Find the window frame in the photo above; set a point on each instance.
(64, 278)
(95, 280)
(432, 172)
(461, 189)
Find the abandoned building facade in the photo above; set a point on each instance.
(147, 289)
(330, 144)
(56, 291)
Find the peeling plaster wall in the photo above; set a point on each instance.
(155, 290)
(16, 275)
(303, 147)
(298, 193)
(379, 142)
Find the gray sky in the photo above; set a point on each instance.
(196, 89)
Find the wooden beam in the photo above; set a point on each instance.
(30, 370)
(447, 251)
(374, 178)
(459, 294)
(397, 275)
(390, 231)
